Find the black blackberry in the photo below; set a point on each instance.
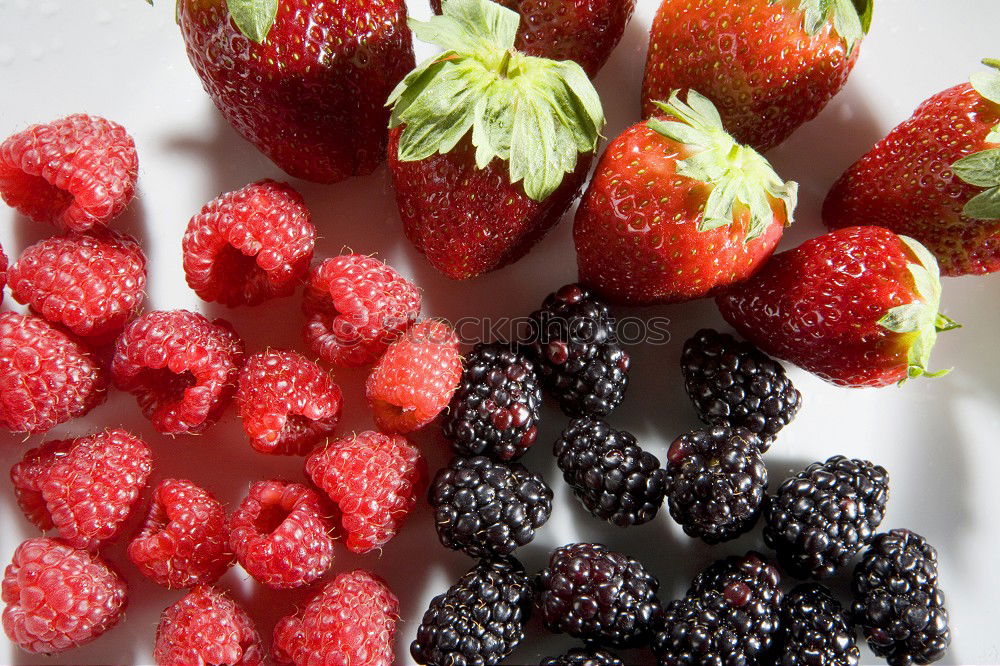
(729, 616)
(734, 383)
(898, 602)
(479, 620)
(615, 479)
(486, 508)
(494, 411)
(584, 657)
(822, 517)
(573, 340)
(596, 594)
(815, 629)
(716, 482)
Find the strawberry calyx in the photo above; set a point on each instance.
(742, 179)
(982, 169)
(253, 18)
(920, 321)
(850, 18)
(536, 114)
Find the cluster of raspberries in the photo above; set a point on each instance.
(85, 334)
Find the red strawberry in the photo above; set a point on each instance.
(489, 145)
(304, 81)
(769, 66)
(678, 210)
(936, 178)
(586, 31)
(858, 307)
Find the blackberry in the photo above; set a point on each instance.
(596, 594)
(898, 602)
(486, 508)
(479, 620)
(584, 657)
(614, 479)
(733, 383)
(494, 412)
(822, 517)
(574, 342)
(729, 616)
(815, 630)
(716, 482)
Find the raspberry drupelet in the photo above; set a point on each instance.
(181, 367)
(3, 272)
(185, 539)
(82, 488)
(46, 377)
(207, 627)
(287, 403)
(249, 245)
(76, 172)
(355, 307)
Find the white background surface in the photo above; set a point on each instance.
(938, 439)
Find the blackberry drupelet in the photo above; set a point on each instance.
(729, 616)
(573, 340)
(599, 595)
(815, 629)
(716, 482)
(611, 475)
(822, 517)
(898, 602)
(486, 508)
(494, 412)
(479, 620)
(733, 383)
(584, 657)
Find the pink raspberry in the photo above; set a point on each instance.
(185, 540)
(3, 273)
(91, 283)
(207, 627)
(181, 367)
(249, 245)
(59, 597)
(76, 172)
(374, 479)
(46, 377)
(280, 535)
(355, 306)
(351, 621)
(83, 488)
(287, 403)
(415, 379)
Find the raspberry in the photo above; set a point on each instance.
(185, 540)
(90, 283)
(76, 172)
(206, 627)
(416, 377)
(59, 597)
(280, 535)
(286, 402)
(351, 621)
(355, 307)
(374, 479)
(249, 245)
(495, 411)
(596, 594)
(3, 273)
(83, 488)
(46, 377)
(181, 367)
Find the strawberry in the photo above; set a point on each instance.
(305, 82)
(586, 31)
(857, 306)
(768, 65)
(678, 210)
(936, 178)
(489, 146)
